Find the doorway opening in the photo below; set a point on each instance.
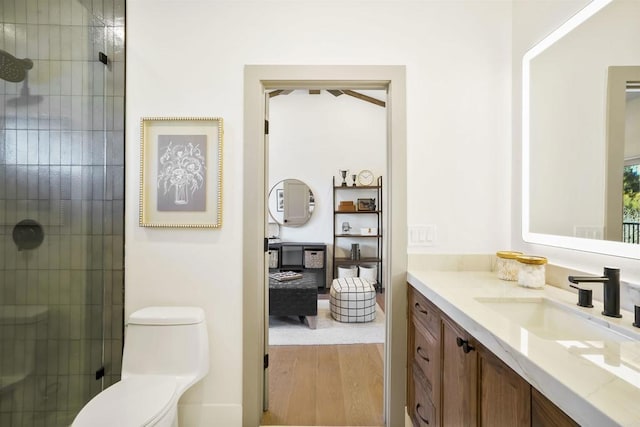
(259, 80)
(333, 369)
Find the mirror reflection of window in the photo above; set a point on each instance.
(631, 209)
(631, 173)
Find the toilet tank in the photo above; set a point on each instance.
(167, 341)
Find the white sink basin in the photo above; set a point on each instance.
(551, 320)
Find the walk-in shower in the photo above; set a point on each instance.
(61, 206)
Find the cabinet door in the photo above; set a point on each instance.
(426, 356)
(423, 388)
(546, 414)
(459, 377)
(505, 397)
(423, 310)
(422, 411)
(296, 203)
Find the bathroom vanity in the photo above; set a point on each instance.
(483, 351)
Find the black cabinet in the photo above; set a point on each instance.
(307, 258)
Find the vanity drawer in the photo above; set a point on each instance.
(426, 355)
(424, 312)
(423, 412)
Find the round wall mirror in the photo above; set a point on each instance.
(291, 203)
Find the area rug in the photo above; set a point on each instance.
(290, 331)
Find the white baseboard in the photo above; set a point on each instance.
(208, 415)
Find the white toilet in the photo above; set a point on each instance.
(166, 351)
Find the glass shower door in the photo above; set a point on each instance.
(56, 211)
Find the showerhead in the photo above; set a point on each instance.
(13, 69)
(25, 97)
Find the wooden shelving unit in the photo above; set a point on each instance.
(367, 218)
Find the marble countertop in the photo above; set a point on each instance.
(596, 382)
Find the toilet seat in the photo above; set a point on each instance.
(133, 402)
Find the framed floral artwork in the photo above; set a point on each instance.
(181, 172)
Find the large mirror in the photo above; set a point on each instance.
(291, 203)
(580, 135)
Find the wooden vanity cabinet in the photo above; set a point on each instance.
(458, 392)
(545, 413)
(504, 396)
(423, 411)
(452, 380)
(423, 358)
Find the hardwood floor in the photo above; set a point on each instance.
(326, 385)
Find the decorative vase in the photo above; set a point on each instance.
(355, 251)
(181, 194)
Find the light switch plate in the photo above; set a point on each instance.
(422, 235)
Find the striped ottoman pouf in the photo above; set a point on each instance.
(352, 300)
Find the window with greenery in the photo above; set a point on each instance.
(631, 200)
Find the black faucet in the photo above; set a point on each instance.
(611, 283)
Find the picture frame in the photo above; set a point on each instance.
(280, 200)
(366, 205)
(181, 172)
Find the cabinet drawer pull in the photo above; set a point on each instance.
(420, 309)
(466, 347)
(425, 420)
(420, 353)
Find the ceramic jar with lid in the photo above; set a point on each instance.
(506, 265)
(531, 273)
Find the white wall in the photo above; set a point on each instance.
(532, 21)
(186, 58)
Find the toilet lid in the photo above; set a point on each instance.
(134, 402)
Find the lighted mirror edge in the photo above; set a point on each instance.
(606, 247)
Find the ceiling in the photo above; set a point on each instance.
(335, 92)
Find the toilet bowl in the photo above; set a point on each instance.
(166, 351)
(136, 401)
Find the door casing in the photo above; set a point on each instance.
(257, 80)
